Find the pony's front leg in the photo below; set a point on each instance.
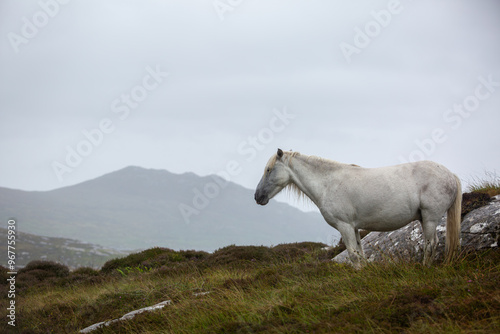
(352, 242)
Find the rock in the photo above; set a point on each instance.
(480, 229)
(132, 314)
(127, 316)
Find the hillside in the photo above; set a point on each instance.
(292, 288)
(69, 252)
(137, 208)
(288, 288)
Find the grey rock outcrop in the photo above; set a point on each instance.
(480, 229)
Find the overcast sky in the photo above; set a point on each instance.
(88, 87)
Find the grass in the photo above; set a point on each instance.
(290, 288)
(487, 184)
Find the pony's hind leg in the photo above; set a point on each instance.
(430, 239)
(359, 248)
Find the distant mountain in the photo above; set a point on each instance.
(137, 208)
(72, 253)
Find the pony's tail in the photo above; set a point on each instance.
(453, 225)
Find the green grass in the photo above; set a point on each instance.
(487, 184)
(290, 288)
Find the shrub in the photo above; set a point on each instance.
(44, 269)
(177, 269)
(40, 273)
(298, 250)
(240, 255)
(84, 275)
(153, 258)
(134, 260)
(85, 271)
(175, 257)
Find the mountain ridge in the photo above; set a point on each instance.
(139, 208)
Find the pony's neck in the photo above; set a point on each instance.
(308, 175)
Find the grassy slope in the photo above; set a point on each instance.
(289, 288)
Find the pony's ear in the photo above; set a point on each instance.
(280, 153)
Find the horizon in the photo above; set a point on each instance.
(190, 87)
(467, 182)
(282, 197)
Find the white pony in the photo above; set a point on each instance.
(375, 199)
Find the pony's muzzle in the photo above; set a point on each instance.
(261, 199)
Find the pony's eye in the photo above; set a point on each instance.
(269, 170)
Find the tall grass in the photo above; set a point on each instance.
(489, 184)
(286, 289)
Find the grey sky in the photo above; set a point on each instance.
(423, 82)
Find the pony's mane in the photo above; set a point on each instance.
(288, 155)
(291, 188)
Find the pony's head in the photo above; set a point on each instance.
(276, 177)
